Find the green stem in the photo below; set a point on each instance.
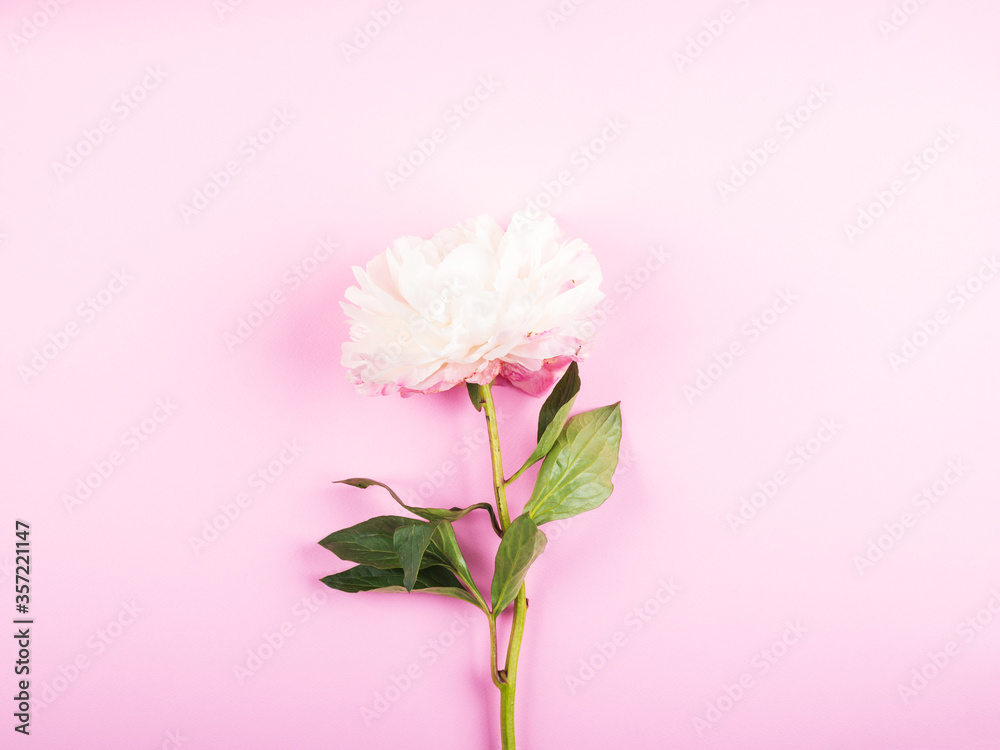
(507, 717)
(499, 491)
(518, 473)
(507, 680)
(510, 671)
(493, 651)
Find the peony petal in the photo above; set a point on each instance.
(535, 382)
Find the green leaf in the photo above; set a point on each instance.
(366, 483)
(521, 544)
(433, 580)
(444, 550)
(453, 514)
(429, 514)
(370, 542)
(552, 417)
(410, 541)
(475, 393)
(576, 473)
(563, 393)
(406, 545)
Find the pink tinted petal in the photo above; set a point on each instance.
(487, 374)
(537, 382)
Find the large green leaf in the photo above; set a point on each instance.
(370, 542)
(433, 580)
(429, 514)
(521, 544)
(576, 473)
(410, 542)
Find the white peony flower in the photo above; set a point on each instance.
(473, 303)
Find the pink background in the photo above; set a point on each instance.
(139, 637)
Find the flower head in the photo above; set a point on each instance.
(473, 303)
